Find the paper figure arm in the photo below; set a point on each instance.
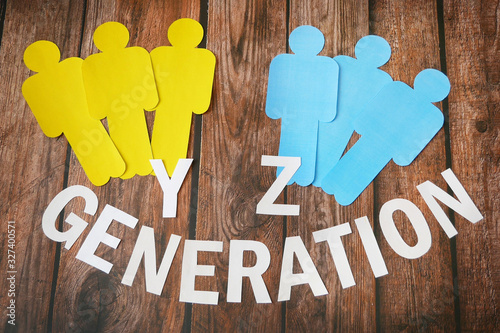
(422, 133)
(96, 92)
(143, 62)
(40, 108)
(276, 88)
(327, 94)
(202, 87)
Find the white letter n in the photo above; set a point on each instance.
(463, 206)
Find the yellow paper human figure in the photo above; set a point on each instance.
(184, 76)
(120, 84)
(56, 96)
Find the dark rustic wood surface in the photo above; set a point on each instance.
(454, 287)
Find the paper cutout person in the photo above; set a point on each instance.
(56, 96)
(302, 91)
(359, 81)
(184, 76)
(396, 124)
(120, 84)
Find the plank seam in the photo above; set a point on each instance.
(195, 175)
(58, 246)
(57, 258)
(285, 190)
(447, 147)
(378, 327)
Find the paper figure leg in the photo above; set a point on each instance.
(299, 138)
(170, 138)
(96, 152)
(131, 138)
(355, 170)
(333, 138)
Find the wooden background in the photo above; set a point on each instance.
(454, 287)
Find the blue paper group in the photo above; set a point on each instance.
(323, 101)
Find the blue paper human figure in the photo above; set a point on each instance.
(396, 124)
(302, 91)
(359, 81)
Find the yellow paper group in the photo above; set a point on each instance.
(119, 83)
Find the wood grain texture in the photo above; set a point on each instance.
(32, 167)
(472, 56)
(95, 301)
(244, 36)
(352, 309)
(454, 287)
(417, 295)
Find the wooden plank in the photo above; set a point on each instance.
(417, 294)
(244, 36)
(352, 309)
(88, 299)
(471, 32)
(33, 165)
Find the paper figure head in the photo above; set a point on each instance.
(432, 85)
(306, 40)
(41, 55)
(111, 36)
(373, 50)
(185, 32)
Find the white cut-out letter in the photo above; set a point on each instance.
(266, 205)
(145, 247)
(310, 275)
(371, 247)
(98, 235)
(171, 186)
(57, 205)
(237, 271)
(332, 236)
(418, 222)
(463, 206)
(190, 269)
